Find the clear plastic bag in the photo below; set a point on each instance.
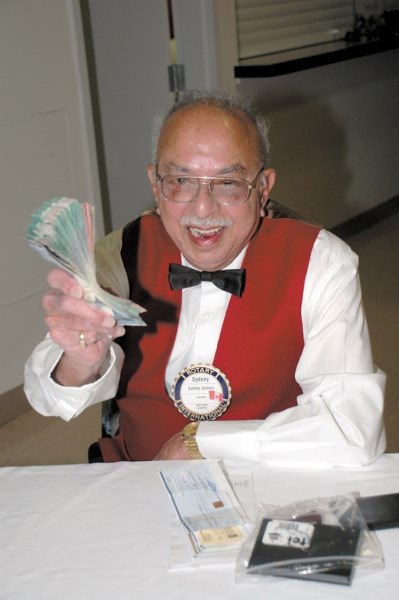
(321, 539)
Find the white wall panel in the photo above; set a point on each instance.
(46, 149)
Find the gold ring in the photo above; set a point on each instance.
(82, 340)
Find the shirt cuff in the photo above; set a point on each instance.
(49, 398)
(228, 440)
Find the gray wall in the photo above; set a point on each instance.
(46, 150)
(335, 135)
(334, 129)
(131, 52)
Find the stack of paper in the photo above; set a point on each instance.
(207, 506)
(62, 231)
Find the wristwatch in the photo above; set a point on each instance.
(188, 435)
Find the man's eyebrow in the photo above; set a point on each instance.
(236, 168)
(171, 166)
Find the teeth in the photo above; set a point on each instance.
(204, 234)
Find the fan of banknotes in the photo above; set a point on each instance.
(62, 231)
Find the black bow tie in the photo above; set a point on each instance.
(229, 280)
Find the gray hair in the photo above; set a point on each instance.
(235, 105)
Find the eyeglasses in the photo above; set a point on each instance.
(223, 190)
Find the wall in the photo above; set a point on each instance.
(131, 58)
(335, 135)
(46, 149)
(334, 129)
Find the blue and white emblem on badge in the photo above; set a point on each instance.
(201, 392)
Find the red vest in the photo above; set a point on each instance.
(260, 343)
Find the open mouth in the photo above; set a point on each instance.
(204, 234)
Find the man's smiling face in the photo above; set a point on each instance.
(206, 142)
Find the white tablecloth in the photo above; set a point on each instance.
(103, 531)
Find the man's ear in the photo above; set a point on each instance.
(151, 172)
(269, 179)
(152, 176)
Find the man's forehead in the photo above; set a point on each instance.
(187, 127)
(202, 115)
(207, 142)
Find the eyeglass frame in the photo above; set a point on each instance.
(209, 181)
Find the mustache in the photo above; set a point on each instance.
(206, 223)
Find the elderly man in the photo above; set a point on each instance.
(256, 345)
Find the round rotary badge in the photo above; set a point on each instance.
(201, 392)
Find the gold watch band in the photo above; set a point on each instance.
(188, 435)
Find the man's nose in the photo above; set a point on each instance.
(203, 200)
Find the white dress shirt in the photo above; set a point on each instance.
(338, 418)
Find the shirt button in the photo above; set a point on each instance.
(209, 315)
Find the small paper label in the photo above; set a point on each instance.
(211, 539)
(289, 534)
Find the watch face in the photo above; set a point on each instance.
(201, 392)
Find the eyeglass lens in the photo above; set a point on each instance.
(184, 189)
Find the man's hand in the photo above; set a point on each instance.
(81, 329)
(173, 449)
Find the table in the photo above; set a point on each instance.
(99, 531)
